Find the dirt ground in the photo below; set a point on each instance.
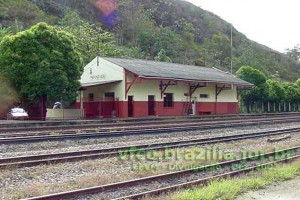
(288, 190)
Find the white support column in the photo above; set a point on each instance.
(81, 99)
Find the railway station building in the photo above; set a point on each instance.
(115, 87)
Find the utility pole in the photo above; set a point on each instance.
(231, 48)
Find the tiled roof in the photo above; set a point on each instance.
(154, 69)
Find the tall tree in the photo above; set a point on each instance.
(41, 62)
(292, 92)
(8, 96)
(256, 77)
(218, 50)
(251, 75)
(91, 40)
(161, 56)
(294, 53)
(4, 31)
(276, 92)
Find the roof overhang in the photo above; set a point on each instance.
(200, 81)
(98, 83)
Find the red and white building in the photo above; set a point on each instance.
(141, 88)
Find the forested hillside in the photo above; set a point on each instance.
(165, 30)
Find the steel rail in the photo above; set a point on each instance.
(135, 126)
(141, 131)
(24, 124)
(34, 160)
(138, 181)
(203, 181)
(116, 124)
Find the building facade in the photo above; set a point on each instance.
(113, 87)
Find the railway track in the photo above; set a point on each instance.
(142, 130)
(157, 184)
(33, 160)
(45, 128)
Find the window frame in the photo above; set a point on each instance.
(168, 100)
(91, 97)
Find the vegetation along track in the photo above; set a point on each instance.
(158, 184)
(151, 129)
(33, 160)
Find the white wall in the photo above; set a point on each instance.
(100, 70)
(64, 113)
(100, 90)
(151, 87)
(228, 95)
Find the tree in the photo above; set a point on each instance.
(41, 63)
(161, 56)
(298, 82)
(294, 53)
(4, 31)
(151, 42)
(276, 92)
(251, 75)
(218, 49)
(8, 96)
(292, 92)
(134, 21)
(91, 40)
(256, 77)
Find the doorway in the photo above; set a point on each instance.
(130, 106)
(108, 105)
(151, 105)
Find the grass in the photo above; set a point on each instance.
(230, 188)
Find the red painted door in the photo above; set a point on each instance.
(151, 105)
(108, 105)
(130, 106)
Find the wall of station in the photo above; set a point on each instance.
(226, 103)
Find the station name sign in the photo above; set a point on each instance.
(97, 77)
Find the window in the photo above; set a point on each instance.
(168, 100)
(109, 94)
(203, 95)
(91, 96)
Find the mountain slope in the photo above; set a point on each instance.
(167, 30)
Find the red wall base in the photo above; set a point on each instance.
(140, 108)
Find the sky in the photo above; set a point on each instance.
(274, 23)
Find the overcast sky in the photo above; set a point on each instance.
(274, 23)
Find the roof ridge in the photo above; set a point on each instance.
(222, 71)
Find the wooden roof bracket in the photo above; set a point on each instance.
(163, 86)
(219, 90)
(193, 88)
(128, 84)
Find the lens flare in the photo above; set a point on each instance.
(111, 20)
(109, 12)
(106, 6)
